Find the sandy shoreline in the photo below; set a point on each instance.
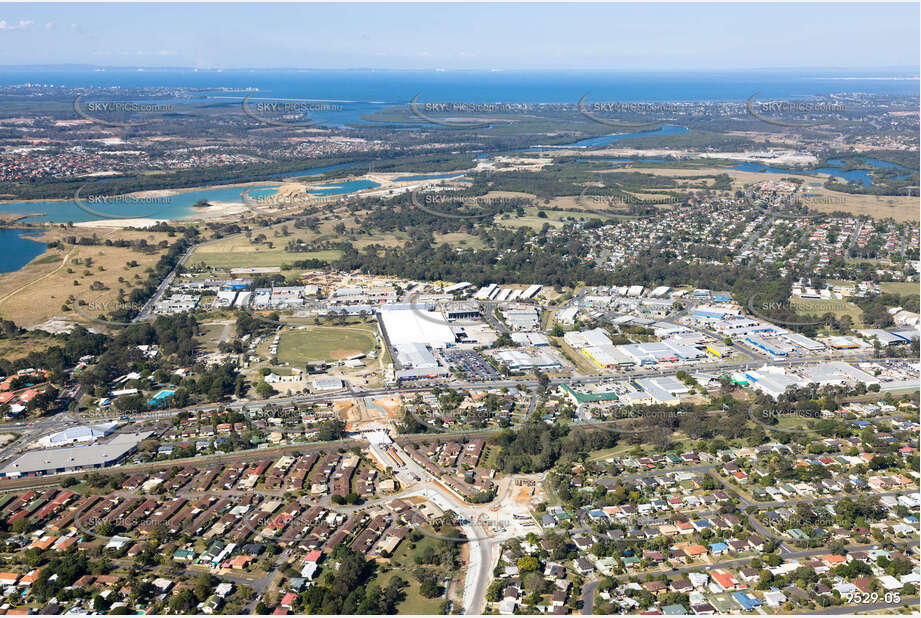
(215, 211)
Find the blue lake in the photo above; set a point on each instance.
(342, 188)
(179, 206)
(604, 140)
(18, 251)
(861, 176)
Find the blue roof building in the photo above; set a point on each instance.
(747, 602)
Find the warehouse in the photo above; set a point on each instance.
(415, 356)
(567, 316)
(845, 343)
(718, 350)
(531, 292)
(462, 311)
(638, 354)
(457, 287)
(522, 360)
(73, 435)
(485, 292)
(713, 313)
(772, 346)
(803, 342)
(587, 338)
(657, 392)
(522, 319)
(407, 325)
(884, 337)
(608, 356)
(70, 459)
(837, 373)
(772, 384)
(328, 384)
(534, 340)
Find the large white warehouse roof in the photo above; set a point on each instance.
(410, 325)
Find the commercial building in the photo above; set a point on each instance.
(525, 318)
(528, 360)
(327, 384)
(567, 316)
(772, 382)
(663, 390)
(884, 337)
(74, 435)
(414, 356)
(461, 311)
(457, 287)
(837, 373)
(608, 356)
(587, 338)
(408, 325)
(70, 459)
(530, 339)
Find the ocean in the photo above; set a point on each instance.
(395, 87)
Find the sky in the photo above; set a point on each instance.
(627, 37)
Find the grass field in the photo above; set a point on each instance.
(325, 343)
(24, 345)
(267, 257)
(401, 563)
(40, 289)
(809, 306)
(899, 287)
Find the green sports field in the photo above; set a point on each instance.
(325, 343)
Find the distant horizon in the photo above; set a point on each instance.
(78, 66)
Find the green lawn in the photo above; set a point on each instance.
(325, 343)
(269, 257)
(904, 288)
(840, 308)
(403, 563)
(414, 603)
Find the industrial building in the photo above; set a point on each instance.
(74, 435)
(461, 311)
(663, 390)
(772, 345)
(414, 355)
(327, 384)
(531, 339)
(608, 356)
(567, 316)
(771, 381)
(525, 318)
(528, 360)
(407, 325)
(884, 337)
(457, 287)
(74, 458)
(587, 338)
(837, 373)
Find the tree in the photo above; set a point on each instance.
(527, 563)
(264, 390)
(429, 589)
